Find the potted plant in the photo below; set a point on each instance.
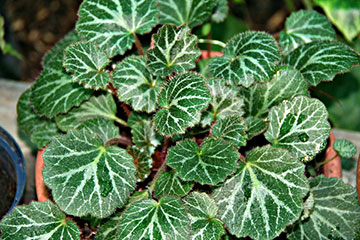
(141, 146)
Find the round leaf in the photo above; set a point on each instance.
(232, 129)
(344, 148)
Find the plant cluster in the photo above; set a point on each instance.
(146, 147)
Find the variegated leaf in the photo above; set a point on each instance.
(300, 125)
(112, 24)
(202, 211)
(175, 51)
(189, 12)
(265, 196)
(305, 26)
(221, 11)
(148, 219)
(335, 213)
(247, 57)
(104, 128)
(344, 148)
(143, 162)
(322, 60)
(136, 85)
(137, 117)
(285, 84)
(85, 176)
(87, 64)
(170, 184)
(145, 136)
(255, 126)
(181, 100)
(208, 164)
(232, 129)
(38, 220)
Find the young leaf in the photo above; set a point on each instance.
(344, 148)
(344, 14)
(38, 220)
(247, 57)
(136, 84)
(322, 60)
(202, 211)
(305, 26)
(335, 214)
(189, 12)
(112, 24)
(265, 196)
(255, 126)
(143, 162)
(145, 136)
(54, 92)
(40, 129)
(148, 219)
(181, 101)
(86, 62)
(225, 101)
(85, 177)
(231, 129)
(102, 106)
(221, 11)
(175, 51)
(299, 125)
(285, 84)
(208, 164)
(104, 128)
(170, 184)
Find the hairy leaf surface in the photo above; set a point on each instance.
(344, 148)
(335, 214)
(136, 84)
(265, 196)
(231, 129)
(322, 60)
(86, 62)
(299, 125)
(104, 128)
(305, 26)
(208, 164)
(202, 211)
(38, 220)
(181, 101)
(247, 57)
(85, 177)
(255, 126)
(175, 51)
(112, 24)
(170, 184)
(145, 136)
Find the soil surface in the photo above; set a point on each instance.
(7, 191)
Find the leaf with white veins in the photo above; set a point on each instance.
(231, 129)
(104, 128)
(170, 184)
(145, 136)
(143, 162)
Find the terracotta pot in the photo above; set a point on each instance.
(42, 191)
(332, 168)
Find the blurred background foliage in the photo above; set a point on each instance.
(33, 27)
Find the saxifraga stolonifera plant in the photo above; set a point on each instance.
(142, 146)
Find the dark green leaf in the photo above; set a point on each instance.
(170, 184)
(344, 148)
(231, 129)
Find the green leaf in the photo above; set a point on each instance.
(221, 11)
(299, 125)
(322, 60)
(112, 24)
(38, 220)
(344, 148)
(302, 27)
(148, 219)
(225, 101)
(265, 196)
(335, 214)
(143, 162)
(85, 177)
(145, 136)
(285, 84)
(102, 106)
(175, 51)
(136, 85)
(40, 129)
(189, 12)
(136, 117)
(344, 14)
(231, 129)
(208, 164)
(202, 211)
(247, 57)
(170, 184)
(87, 64)
(54, 92)
(181, 101)
(255, 126)
(104, 128)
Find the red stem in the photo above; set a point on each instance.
(123, 105)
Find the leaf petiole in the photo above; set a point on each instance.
(138, 45)
(212, 41)
(325, 162)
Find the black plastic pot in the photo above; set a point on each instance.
(12, 173)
